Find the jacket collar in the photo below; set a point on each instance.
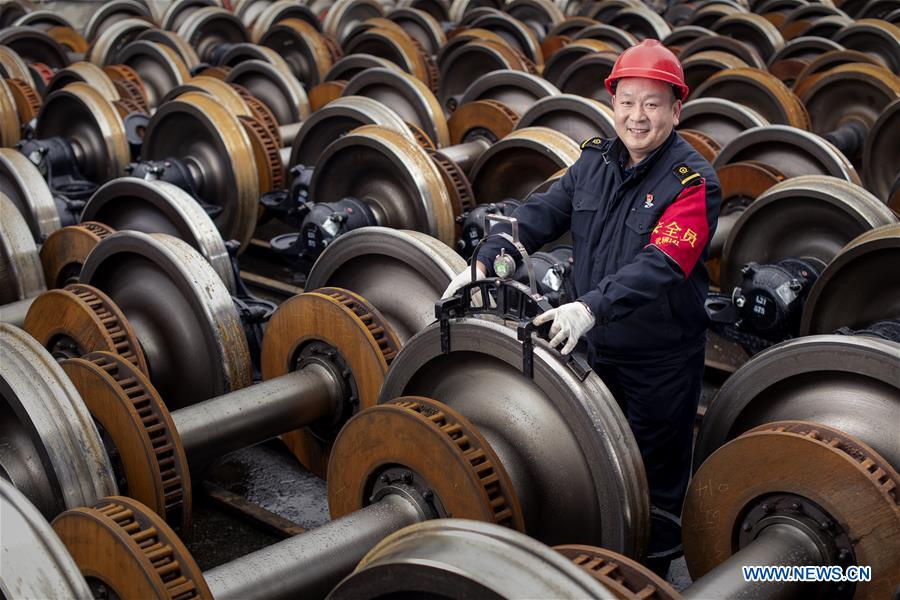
(618, 153)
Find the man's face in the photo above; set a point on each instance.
(645, 111)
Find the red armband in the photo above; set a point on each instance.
(682, 231)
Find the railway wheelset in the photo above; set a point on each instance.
(228, 222)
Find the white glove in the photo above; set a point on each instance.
(570, 322)
(462, 279)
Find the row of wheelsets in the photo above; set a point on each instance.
(149, 161)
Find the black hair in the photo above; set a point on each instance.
(676, 91)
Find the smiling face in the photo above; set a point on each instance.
(645, 111)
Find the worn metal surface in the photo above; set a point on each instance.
(375, 262)
(847, 382)
(859, 286)
(336, 119)
(22, 183)
(534, 426)
(393, 175)
(808, 217)
(21, 274)
(160, 207)
(519, 162)
(33, 561)
(82, 114)
(179, 309)
(457, 558)
(578, 118)
(49, 446)
(197, 129)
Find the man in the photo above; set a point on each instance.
(642, 209)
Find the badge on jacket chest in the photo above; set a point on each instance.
(648, 201)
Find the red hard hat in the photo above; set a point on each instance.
(651, 60)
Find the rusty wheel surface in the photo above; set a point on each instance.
(80, 319)
(590, 434)
(352, 330)
(138, 434)
(823, 466)
(760, 91)
(488, 119)
(127, 550)
(626, 578)
(435, 443)
(65, 250)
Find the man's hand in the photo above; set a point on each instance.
(570, 322)
(464, 278)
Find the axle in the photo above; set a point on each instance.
(779, 544)
(310, 564)
(250, 415)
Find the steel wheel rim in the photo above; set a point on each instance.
(112, 13)
(403, 186)
(88, 120)
(854, 379)
(858, 287)
(585, 409)
(362, 260)
(466, 556)
(499, 173)
(23, 184)
(780, 146)
(160, 68)
(582, 76)
(160, 207)
(516, 89)
(881, 161)
(338, 118)
(405, 95)
(174, 280)
(20, 265)
(576, 117)
(832, 212)
(172, 40)
(212, 139)
(32, 549)
(344, 15)
(74, 469)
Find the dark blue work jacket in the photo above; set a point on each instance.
(641, 237)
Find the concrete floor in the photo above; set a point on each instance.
(269, 476)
